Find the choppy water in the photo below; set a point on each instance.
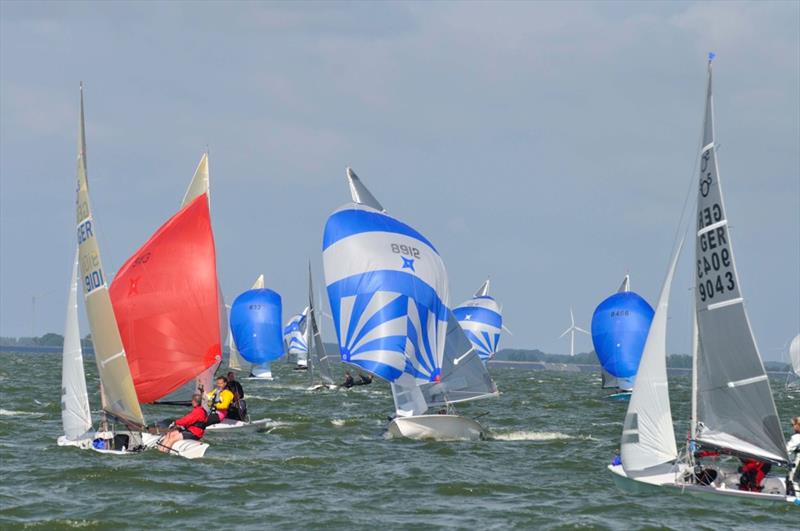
(324, 462)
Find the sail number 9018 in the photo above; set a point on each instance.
(405, 249)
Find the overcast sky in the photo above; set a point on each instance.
(548, 145)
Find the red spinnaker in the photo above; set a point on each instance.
(165, 299)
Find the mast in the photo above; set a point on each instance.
(693, 420)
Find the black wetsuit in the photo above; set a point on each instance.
(238, 409)
(348, 381)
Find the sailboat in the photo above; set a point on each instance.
(619, 329)
(482, 321)
(318, 363)
(733, 412)
(256, 328)
(295, 337)
(236, 362)
(76, 416)
(123, 428)
(388, 291)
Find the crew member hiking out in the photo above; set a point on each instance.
(188, 427)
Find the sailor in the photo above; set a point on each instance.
(238, 410)
(793, 449)
(219, 400)
(364, 379)
(348, 380)
(188, 427)
(753, 473)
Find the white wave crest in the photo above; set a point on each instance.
(531, 436)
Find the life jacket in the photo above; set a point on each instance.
(753, 473)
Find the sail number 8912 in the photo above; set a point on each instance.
(405, 249)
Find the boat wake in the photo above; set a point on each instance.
(531, 436)
(9, 413)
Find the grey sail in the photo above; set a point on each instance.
(359, 192)
(626, 285)
(318, 358)
(483, 291)
(735, 408)
(464, 376)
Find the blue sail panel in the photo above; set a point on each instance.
(619, 330)
(256, 325)
(387, 287)
(482, 321)
(294, 334)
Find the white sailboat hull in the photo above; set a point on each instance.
(725, 488)
(438, 427)
(188, 449)
(228, 425)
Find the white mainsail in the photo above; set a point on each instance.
(794, 354)
(648, 438)
(119, 395)
(76, 416)
(735, 408)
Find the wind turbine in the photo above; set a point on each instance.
(571, 331)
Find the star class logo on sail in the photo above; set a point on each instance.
(410, 253)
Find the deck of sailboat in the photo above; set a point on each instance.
(669, 477)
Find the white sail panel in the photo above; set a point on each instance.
(735, 408)
(648, 437)
(76, 416)
(199, 184)
(359, 192)
(119, 394)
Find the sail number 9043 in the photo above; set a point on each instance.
(405, 249)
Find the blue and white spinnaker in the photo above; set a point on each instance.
(294, 336)
(388, 292)
(482, 321)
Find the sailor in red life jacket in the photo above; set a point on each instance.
(188, 427)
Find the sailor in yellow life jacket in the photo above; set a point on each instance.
(219, 400)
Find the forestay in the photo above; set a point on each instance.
(735, 408)
(76, 416)
(648, 438)
(482, 321)
(119, 395)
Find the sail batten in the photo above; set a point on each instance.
(735, 410)
(119, 395)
